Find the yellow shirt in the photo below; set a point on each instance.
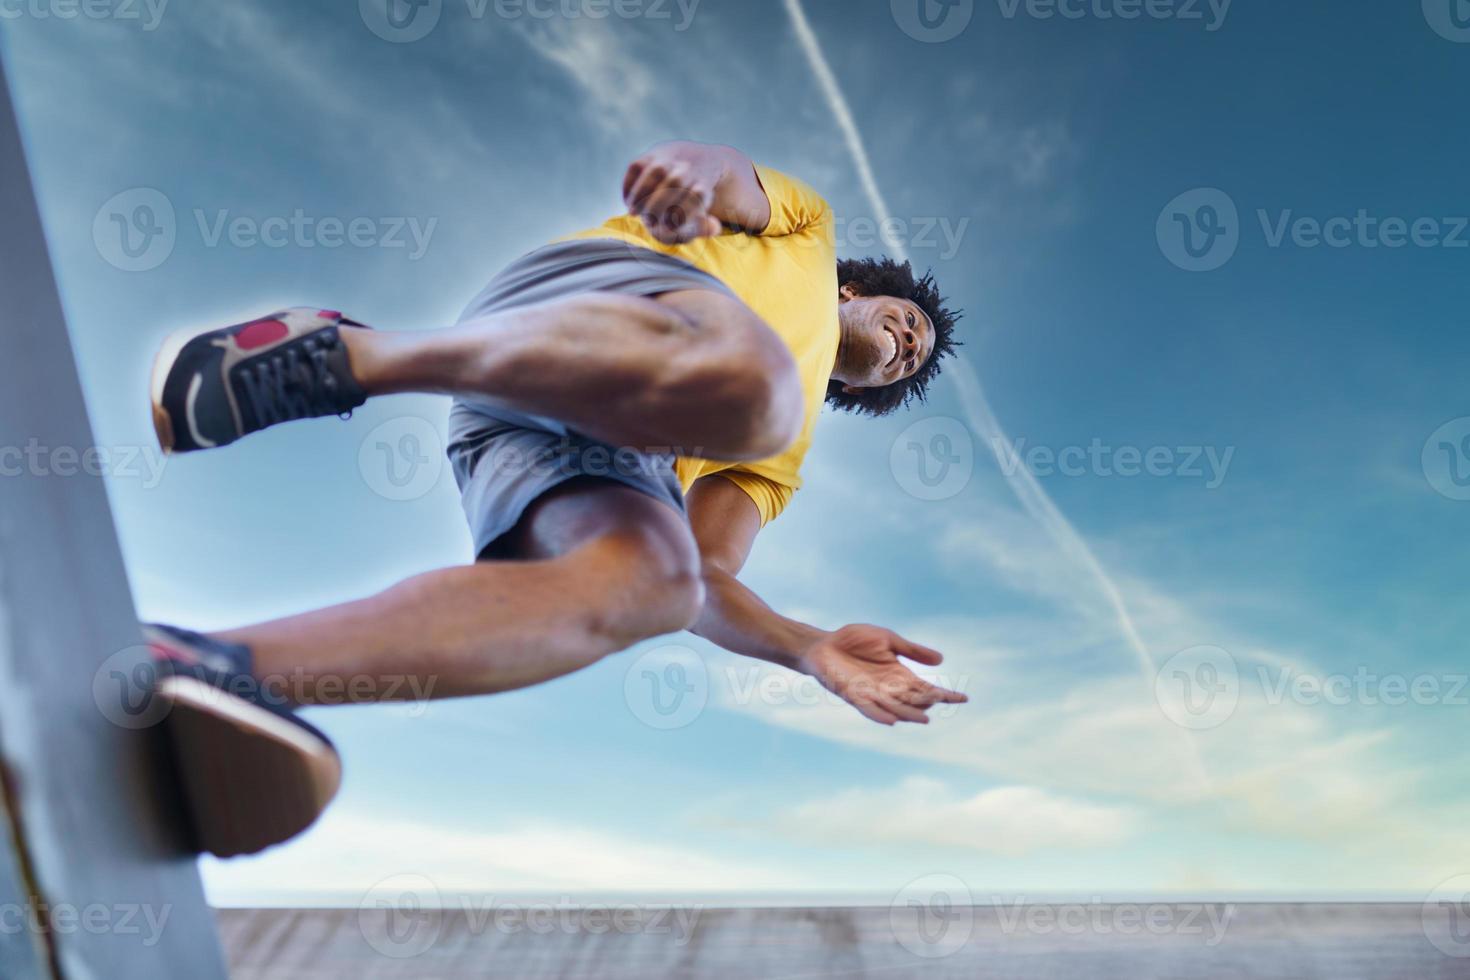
(788, 276)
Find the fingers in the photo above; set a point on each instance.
(673, 195)
(640, 184)
(635, 171)
(679, 222)
(910, 702)
(673, 206)
(872, 711)
(905, 712)
(656, 185)
(917, 652)
(926, 695)
(677, 226)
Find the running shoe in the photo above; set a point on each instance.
(253, 774)
(211, 388)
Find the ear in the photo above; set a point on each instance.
(852, 389)
(848, 292)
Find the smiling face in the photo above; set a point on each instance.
(884, 340)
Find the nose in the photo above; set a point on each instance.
(910, 344)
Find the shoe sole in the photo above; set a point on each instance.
(163, 363)
(250, 778)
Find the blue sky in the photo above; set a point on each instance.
(1034, 162)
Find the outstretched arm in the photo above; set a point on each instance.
(683, 191)
(860, 664)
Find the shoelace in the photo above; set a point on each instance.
(294, 382)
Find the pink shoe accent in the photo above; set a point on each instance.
(162, 652)
(261, 333)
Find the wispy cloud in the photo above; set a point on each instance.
(1036, 501)
(328, 862)
(615, 83)
(1011, 821)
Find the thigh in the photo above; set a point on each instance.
(589, 509)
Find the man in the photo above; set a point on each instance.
(632, 406)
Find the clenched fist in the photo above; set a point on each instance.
(673, 194)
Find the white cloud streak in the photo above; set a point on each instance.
(1036, 501)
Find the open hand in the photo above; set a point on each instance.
(862, 665)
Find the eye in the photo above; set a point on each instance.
(912, 321)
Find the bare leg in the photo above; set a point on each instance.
(694, 370)
(607, 567)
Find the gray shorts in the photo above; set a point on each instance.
(503, 459)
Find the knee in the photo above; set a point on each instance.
(674, 600)
(649, 584)
(760, 393)
(749, 389)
